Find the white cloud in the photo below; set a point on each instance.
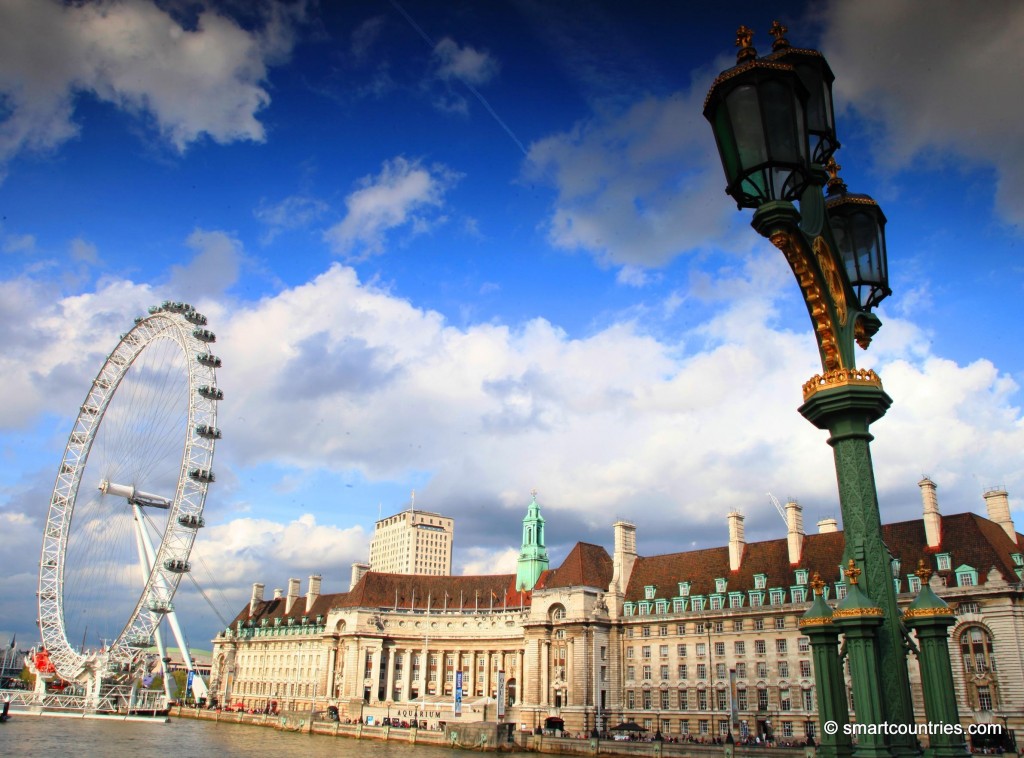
(405, 194)
(465, 64)
(191, 82)
(294, 212)
(637, 188)
(83, 251)
(213, 268)
(478, 560)
(936, 77)
(19, 243)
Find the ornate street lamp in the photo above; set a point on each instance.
(773, 121)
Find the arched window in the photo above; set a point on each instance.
(976, 651)
(557, 612)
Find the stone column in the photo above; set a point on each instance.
(375, 673)
(406, 685)
(570, 669)
(487, 673)
(390, 685)
(545, 672)
(520, 676)
(332, 661)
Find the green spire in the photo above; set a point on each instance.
(533, 557)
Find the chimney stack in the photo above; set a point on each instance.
(314, 591)
(293, 595)
(828, 526)
(998, 505)
(358, 569)
(736, 541)
(932, 517)
(795, 530)
(257, 597)
(278, 593)
(625, 555)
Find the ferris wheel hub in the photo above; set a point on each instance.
(132, 495)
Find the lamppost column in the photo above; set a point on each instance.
(931, 618)
(818, 625)
(846, 410)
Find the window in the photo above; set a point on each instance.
(629, 631)
(762, 699)
(781, 647)
(720, 585)
(684, 588)
(702, 671)
(663, 632)
(741, 670)
(721, 700)
(664, 671)
(913, 584)
(663, 651)
(697, 603)
(785, 702)
(803, 644)
(681, 651)
(840, 590)
(760, 648)
(684, 699)
(720, 671)
(680, 629)
(799, 594)
(760, 581)
(805, 669)
(682, 671)
(735, 599)
(647, 673)
(720, 649)
(801, 576)
(630, 699)
(630, 672)
(756, 599)
(943, 561)
(702, 700)
(678, 605)
(737, 625)
(808, 696)
(976, 651)
(684, 725)
(661, 606)
(966, 576)
(719, 627)
(1018, 559)
(647, 700)
(787, 728)
(741, 698)
(664, 699)
(984, 698)
(702, 726)
(649, 591)
(645, 631)
(762, 670)
(645, 607)
(630, 652)
(783, 669)
(778, 597)
(758, 625)
(780, 622)
(965, 608)
(701, 650)
(699, 628)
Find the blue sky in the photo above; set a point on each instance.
(473, 249)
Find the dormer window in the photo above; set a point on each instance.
(777, 597)
(720, 585)
(628, 609)
(760, 581)
(966, 576)
(895, 566)
(697, 603)
(913, 583)
(801, 576)
(716, 602)
(661, 606)
(1018, 559)
(678, 604)
(943, 561)
(799, 594)
(735, 599)
(649, 591)
(684, 588)
(840, 590)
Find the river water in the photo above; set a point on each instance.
(43, 737)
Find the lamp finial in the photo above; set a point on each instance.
(778, 31)
(852, 572)
(836, 186)
(923, 572)
(817, 584)
(744, 35)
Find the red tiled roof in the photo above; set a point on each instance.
(969, 539)
(586, 565)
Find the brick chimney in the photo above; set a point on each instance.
(736, 541)
(358, 570)
(257, 597)
(795, 531)
(293, 595)
(997, 503)
(625, 555)
(314, 591)
(932, 517)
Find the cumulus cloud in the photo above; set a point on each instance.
(190, 82)
(404, 195)
(212, 269)
(637, 187)
(955, 67)
(463, 63)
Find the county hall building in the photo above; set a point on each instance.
(672, 642)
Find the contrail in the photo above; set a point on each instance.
(468, 85)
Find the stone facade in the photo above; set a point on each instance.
(691, 642)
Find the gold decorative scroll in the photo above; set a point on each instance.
(834, 279)
(812, 287)
(927, 612)
(855, 612)
(842, 377)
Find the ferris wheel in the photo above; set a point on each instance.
(129, 495)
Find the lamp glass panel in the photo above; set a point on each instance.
(745, 115)
(784, 123)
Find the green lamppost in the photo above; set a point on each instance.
(773, 122)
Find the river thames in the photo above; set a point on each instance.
(184, 738)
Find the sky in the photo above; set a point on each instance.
(475, 249)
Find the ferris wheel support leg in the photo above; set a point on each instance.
(146, 561)
(198, 686)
